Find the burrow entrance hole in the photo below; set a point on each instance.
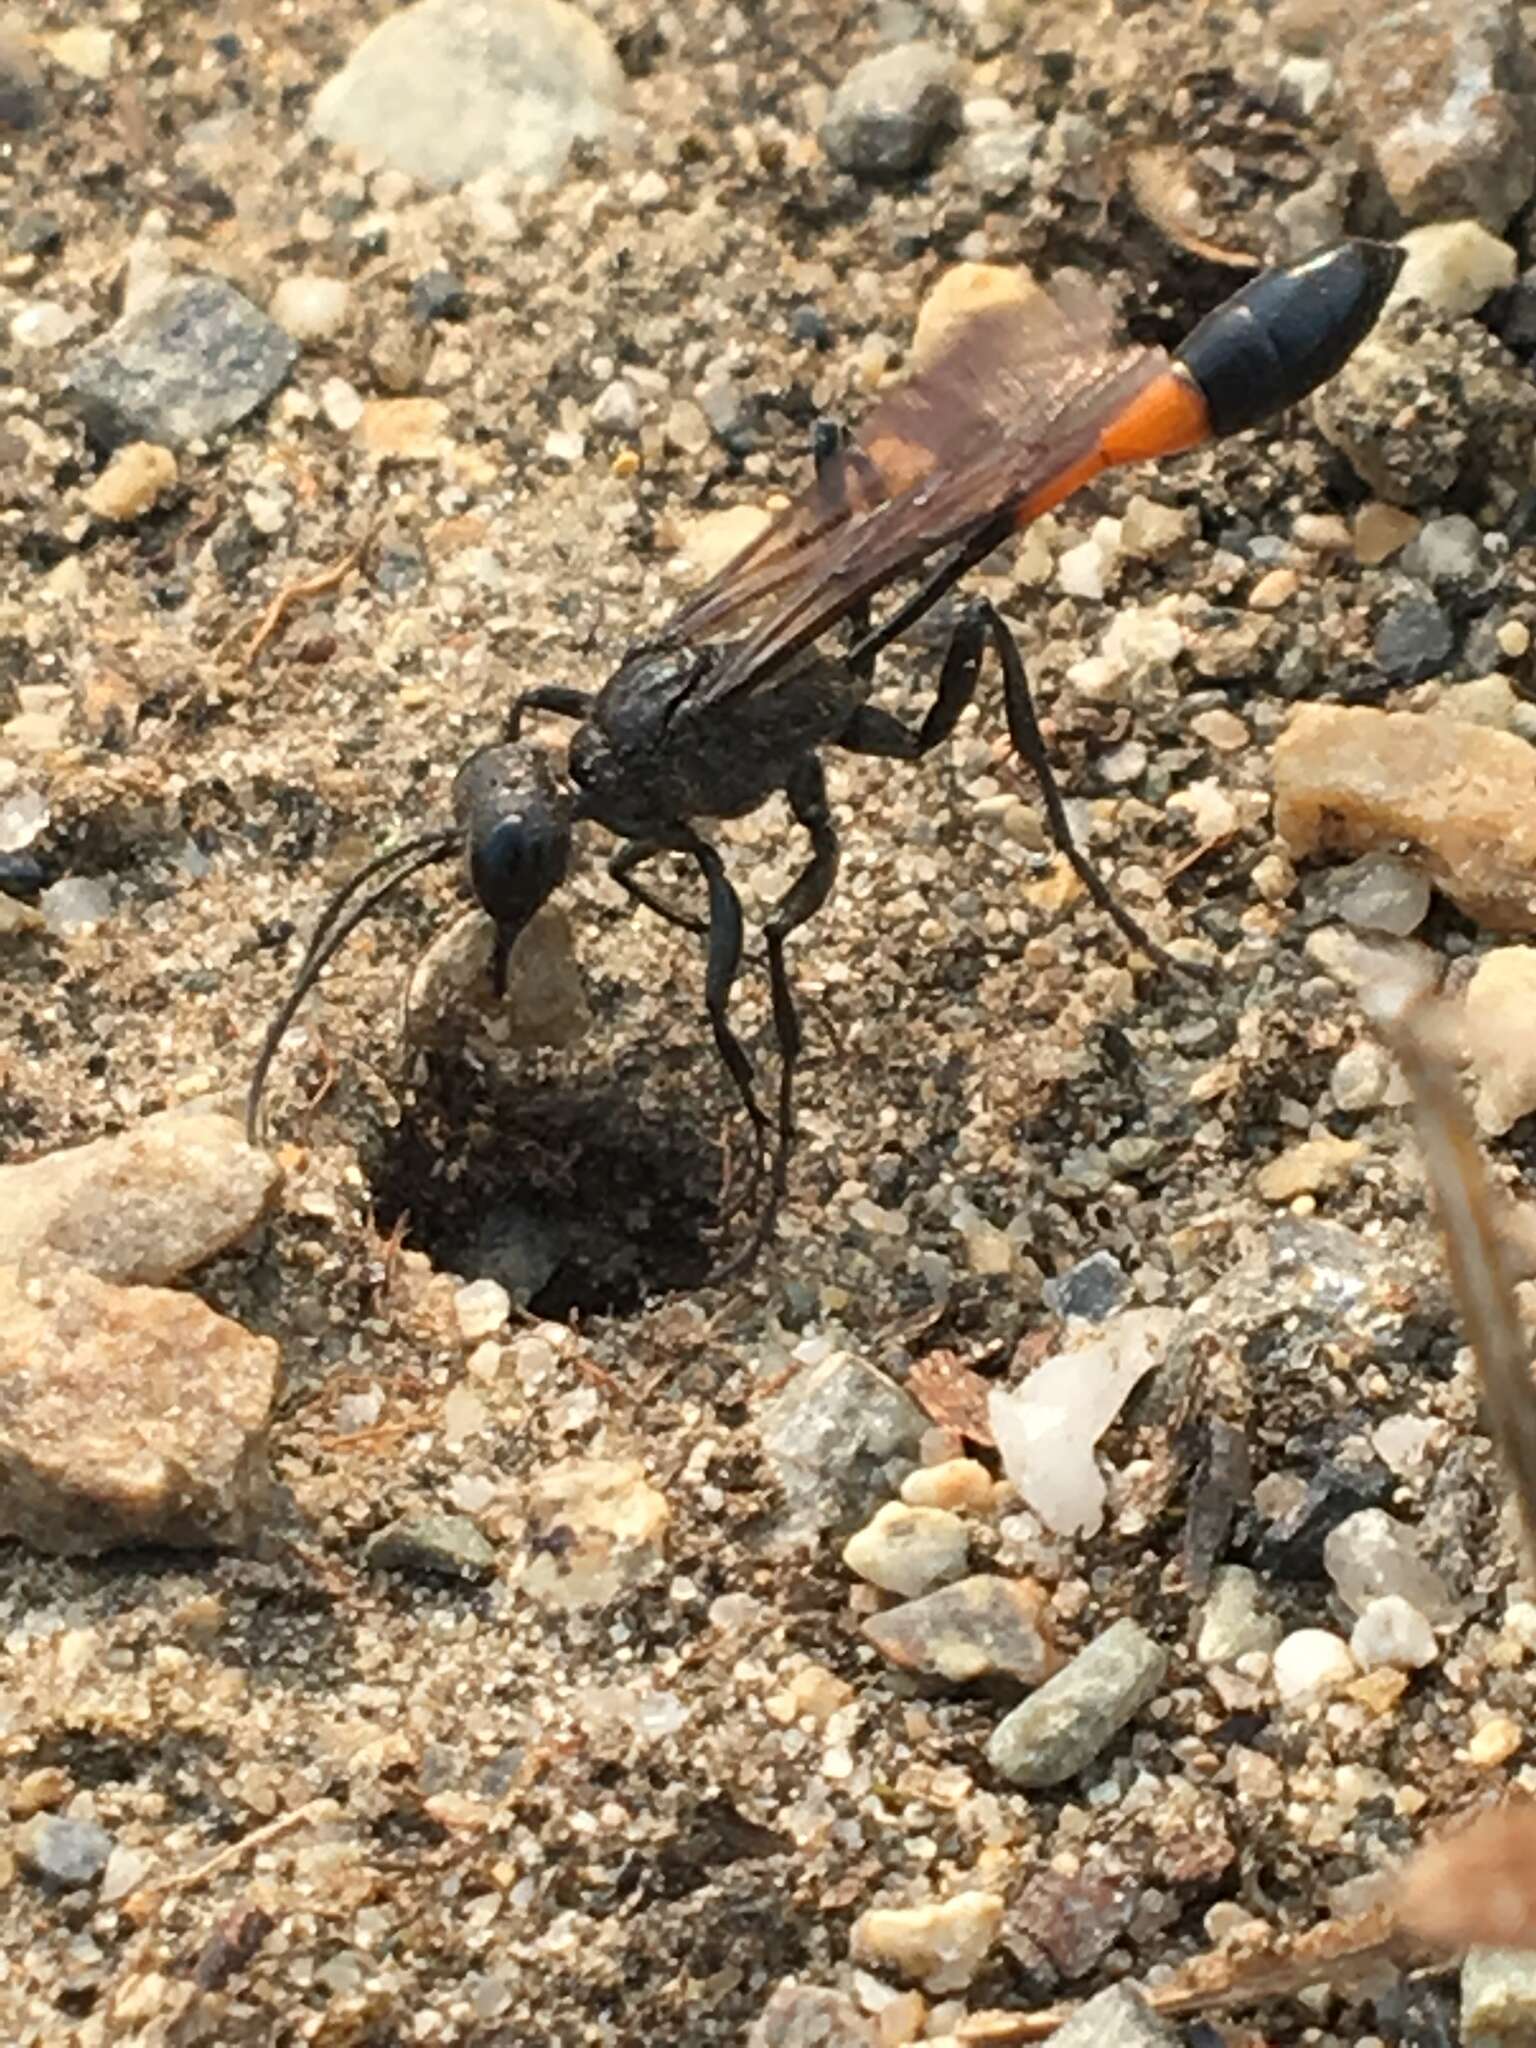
(576, 1200)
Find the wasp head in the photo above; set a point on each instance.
(516, 823)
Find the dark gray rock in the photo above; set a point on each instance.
(1092, 1289)
(1414, 641)
(24, 102)
(437, 1546)
(1292, 1547)
(891, 113)
(198, 358)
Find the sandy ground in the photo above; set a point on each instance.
(496, 1839)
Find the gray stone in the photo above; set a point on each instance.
(24, 102)
(1092, 1289)
(1372, 1555)
(981, 1627)
(439, 1546)
(806, 2016)
(1440, 97)
(1448, 550)
(1414, 641)
(1120, 2018)
(840, 1438)
(196, 358)
(64, 1854)
(890, 114)
(448, 90)
(1233, 1623)
(1060, 1729)
(147, 1205)
(1380, 892)
(128, 1415)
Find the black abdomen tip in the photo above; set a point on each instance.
(1288, 331)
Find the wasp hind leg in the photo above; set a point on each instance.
(547, 697)
(872, 730)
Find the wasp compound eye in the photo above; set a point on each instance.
(517, 839)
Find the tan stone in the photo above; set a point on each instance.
(147, 1205)
(1305, 1168)
(128, 1415)
(1350, 779)
(958, 296)
(1500, 1029)
(131, 482)
(404, 429)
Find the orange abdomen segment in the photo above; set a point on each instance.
(1164, 418)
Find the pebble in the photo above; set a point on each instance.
(1117, 2018)
(716, 538)
(999, 159)
(1308, 1168)
(1233, 1623)
(1415, 641)
(1431, 97)
(88, 52)
(957, 296)
(596, 1530)
(1310, 1663)
(908, 1550)
(481, 1310)
(1391, 1631)
(403, 429)
(981, 1627)
(1274, 589)
(1351, 779)
(1150, 532)
(312, 308)
(43, 324)
(24, 97)
(1381, 531)
(63, 1854)
(341, 403)
(1361, 1078)
(1059, 1730)
(1494, 1743)
(840, 1439)
(449, 90)
(940, 1945)
(437, 1546)
(77, 904)
(132, 481)
(616, 409)
(1497, 1020)
(891, 113)
(953, 1483)
(1371, 1554)
(439, 295)
(1498, 1996)
(451, 991)
(1047, 1428)
(1426, 407)
(1381, 892)
(1454, 267)
(1091, 1290)
(147, 1205)
(806, 2016)
(128, 1415)
(197, 358)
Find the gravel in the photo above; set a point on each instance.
(641, 1773)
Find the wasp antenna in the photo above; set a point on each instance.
(330, 935)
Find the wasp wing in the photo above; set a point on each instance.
(1018, 397)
